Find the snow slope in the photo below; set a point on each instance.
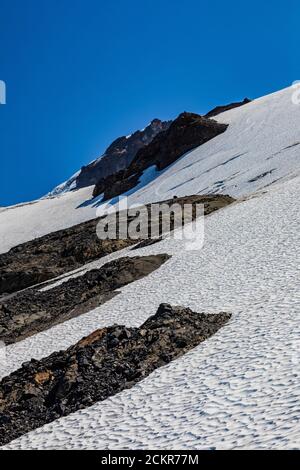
(24, 222)
(239, 389)
(261, 146)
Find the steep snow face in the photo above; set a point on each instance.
(260, 146)
(240, 389)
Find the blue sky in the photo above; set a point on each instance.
(80, 73)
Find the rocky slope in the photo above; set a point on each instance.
(119, 155)
(52, 255)
(101, 365)
(221, 109)
(59, 252)
(221, 390)
(188, 131)
(32, 311)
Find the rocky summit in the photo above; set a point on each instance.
(185, 133)
(119, 154)
(221, 109)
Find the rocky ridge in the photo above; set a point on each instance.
(101, 365)
(116, 157)
(60, 252)
(185, 133)
(32, 311)
(221, 109)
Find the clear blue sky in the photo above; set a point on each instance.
(81, 72)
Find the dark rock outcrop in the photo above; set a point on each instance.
(105, 363)
(60, 252)
(188, 131)
(221, 109)
(119, 154)
(173, 219)
(32, 311)
(54, 254)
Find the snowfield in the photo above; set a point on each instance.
(260, 146)
(239, 389)
(24, 222)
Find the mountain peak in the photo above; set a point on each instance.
(116, 157)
